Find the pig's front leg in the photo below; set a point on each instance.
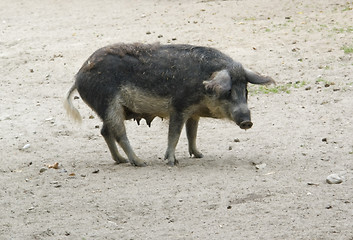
(191, 133)
(176, 123)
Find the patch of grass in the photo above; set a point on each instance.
(250, 19)
(299, 84)
(285, 88)
(347, 8)
(347, 49)
(348, 29)
(319, 80)
(324, 81)
(275, 89)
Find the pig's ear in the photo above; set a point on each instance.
(256, 78)
(220, 82)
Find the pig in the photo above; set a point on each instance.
(176, 81)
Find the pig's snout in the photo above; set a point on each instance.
(245, 124)
(241, 116)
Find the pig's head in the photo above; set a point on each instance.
(232, 89)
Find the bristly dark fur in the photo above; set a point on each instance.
(159, 69)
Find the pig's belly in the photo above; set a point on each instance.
(141, 102)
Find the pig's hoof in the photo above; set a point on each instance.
(122, 160)
(171, 159)
(172, 163)
(196, 154)
(138, 163)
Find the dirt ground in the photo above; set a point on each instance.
(268, 182)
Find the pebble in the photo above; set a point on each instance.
(334, 179)
(312, 184)
(260, 166)
(26, 146)
(43, 169)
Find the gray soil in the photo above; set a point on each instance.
(268, 182)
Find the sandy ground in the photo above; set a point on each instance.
(271, 184)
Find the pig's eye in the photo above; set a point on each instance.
(229, 93)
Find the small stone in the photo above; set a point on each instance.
(148, 32)
(160, 36)
(324, 139)
(54, 166)
(230, 148)
(334, 179)
(260, 166)
(308, 88)
(26, 146)
(312, 184)
(236, 140)
(43, 169)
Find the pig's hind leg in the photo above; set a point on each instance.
(110, 140)
(114, 125)
(191, 133)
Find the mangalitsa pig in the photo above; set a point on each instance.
(179, 82)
